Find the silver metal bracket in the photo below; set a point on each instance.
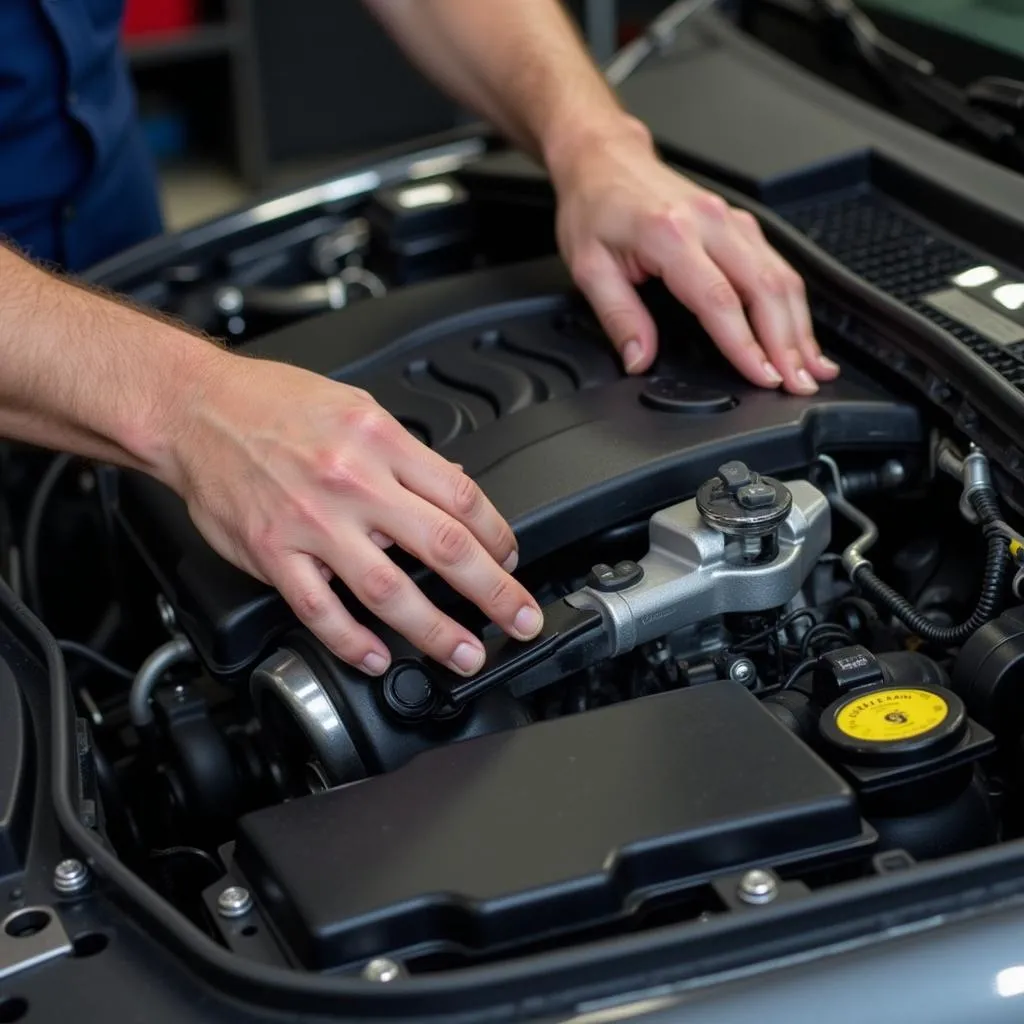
(693, 573)
(29, 937)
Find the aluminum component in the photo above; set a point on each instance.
(758, 887)
(164, 658)
(286, 679)
(234, 901)
(976, 477)
(70, 876)
(693, 573)
(30, 937)
(383, 970)
(854, 555)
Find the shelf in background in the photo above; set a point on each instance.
(176, 47)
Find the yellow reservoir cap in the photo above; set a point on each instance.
(891, 715)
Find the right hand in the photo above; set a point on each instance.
(296, 478)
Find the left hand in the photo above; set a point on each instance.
(624, 216)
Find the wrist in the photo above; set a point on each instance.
(572, 148)
(187, 373)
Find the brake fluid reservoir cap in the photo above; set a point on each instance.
(894, 725)
(742, 503)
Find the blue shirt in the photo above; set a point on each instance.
(76, 181)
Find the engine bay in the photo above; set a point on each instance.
(782, 634)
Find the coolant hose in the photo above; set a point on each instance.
(993, 587)
(146, 679)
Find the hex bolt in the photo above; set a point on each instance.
(757, 887)
(70, 876)
(234, 901)
(383, 970)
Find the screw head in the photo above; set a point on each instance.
(757, 887)
(70, 876)
(234, 901)
(383, 970)
(741, 670)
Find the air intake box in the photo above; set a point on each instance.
(558, 828)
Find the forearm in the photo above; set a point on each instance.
(82, 373)
(520, 65)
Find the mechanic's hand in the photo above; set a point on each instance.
(624, 215)
(295, 478)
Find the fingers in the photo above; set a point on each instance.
(452, 550)
(383, 589)
(446, 487)
(624, 317)
(795, 292)
(299, 579)
(766, 288)
(699, 284)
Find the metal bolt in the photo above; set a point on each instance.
(234, 901)
(383, 970)
(741, 670)
(758, 886)
(167, 616)
(70, 876)
(893, 473)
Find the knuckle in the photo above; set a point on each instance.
(466, 496)
(338, 472)
(710, 206)
(381, 584)
(673, 224)
(371, 424)
(747, 222)
(450, 542)
(433, 635)
(721, 297)
(311, 605)
(771, 282)
(500, 593)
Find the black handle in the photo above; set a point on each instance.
(564, 627)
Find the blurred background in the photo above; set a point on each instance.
(241, 96)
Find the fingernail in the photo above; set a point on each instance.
(527, 622)
(632, 354)
(772, 374)
(806, 381)
(510, 563)
(828, 364)
(375, 664)
(467, 659)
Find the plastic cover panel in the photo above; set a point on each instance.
(508, 838)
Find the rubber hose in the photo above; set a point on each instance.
(993, 587)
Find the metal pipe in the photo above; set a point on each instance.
(853, 556)
(164, 658)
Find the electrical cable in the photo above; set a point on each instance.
(803, 668)
(824, 631)
(97, 659)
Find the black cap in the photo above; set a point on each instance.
(742, 503)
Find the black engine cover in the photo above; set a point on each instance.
(505, 840)
(505, 372)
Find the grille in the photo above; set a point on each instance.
(902, 255)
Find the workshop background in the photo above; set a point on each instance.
(241, 96)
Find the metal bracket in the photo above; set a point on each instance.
(29, 937)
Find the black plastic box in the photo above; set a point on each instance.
(502, 840)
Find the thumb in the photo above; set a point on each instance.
(623, 315)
